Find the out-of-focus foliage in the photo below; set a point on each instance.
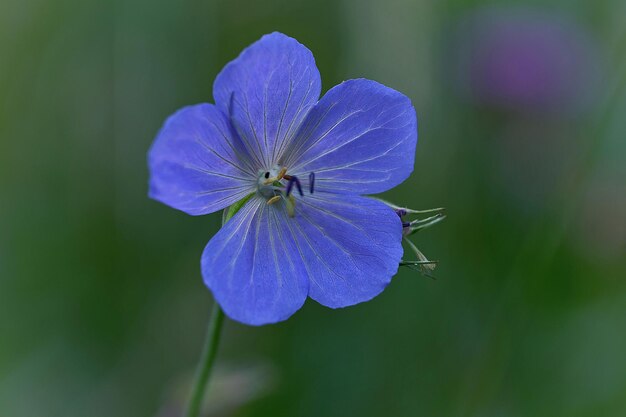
(102, 308)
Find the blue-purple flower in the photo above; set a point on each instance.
(301, 166)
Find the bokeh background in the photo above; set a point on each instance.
(522, 111)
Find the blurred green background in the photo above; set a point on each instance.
(102, 307)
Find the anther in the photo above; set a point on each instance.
(299, 187)
(311, 182)
(293, 180)
(273, 199)
(278, 177)
(290, 203)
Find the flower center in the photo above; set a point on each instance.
(276, 185)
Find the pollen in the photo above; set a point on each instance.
(278, 176)
(290, 203)
(273, 199)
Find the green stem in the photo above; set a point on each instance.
(212, 339)
(206, 361)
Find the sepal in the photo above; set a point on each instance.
(409, 227)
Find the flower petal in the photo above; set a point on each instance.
(351, 246)
(360, 138)
(268, 90)
(252, 268)
(194, 164)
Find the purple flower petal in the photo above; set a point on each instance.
(360, 138)
(341, 250)
(252, 268)
(194, 164)
(268, 90)
(351, 246)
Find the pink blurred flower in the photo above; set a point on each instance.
(525, 59)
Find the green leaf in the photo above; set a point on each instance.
(232, 210)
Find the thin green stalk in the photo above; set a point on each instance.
(211, 340)
(207, 358)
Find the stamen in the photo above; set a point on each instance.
(311, 182)
(290, 203)
(292, 180)
(273, 188)
(278, 176)
(299, 186)
(273, 199)
(289, 186)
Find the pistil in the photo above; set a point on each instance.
(274, 189)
